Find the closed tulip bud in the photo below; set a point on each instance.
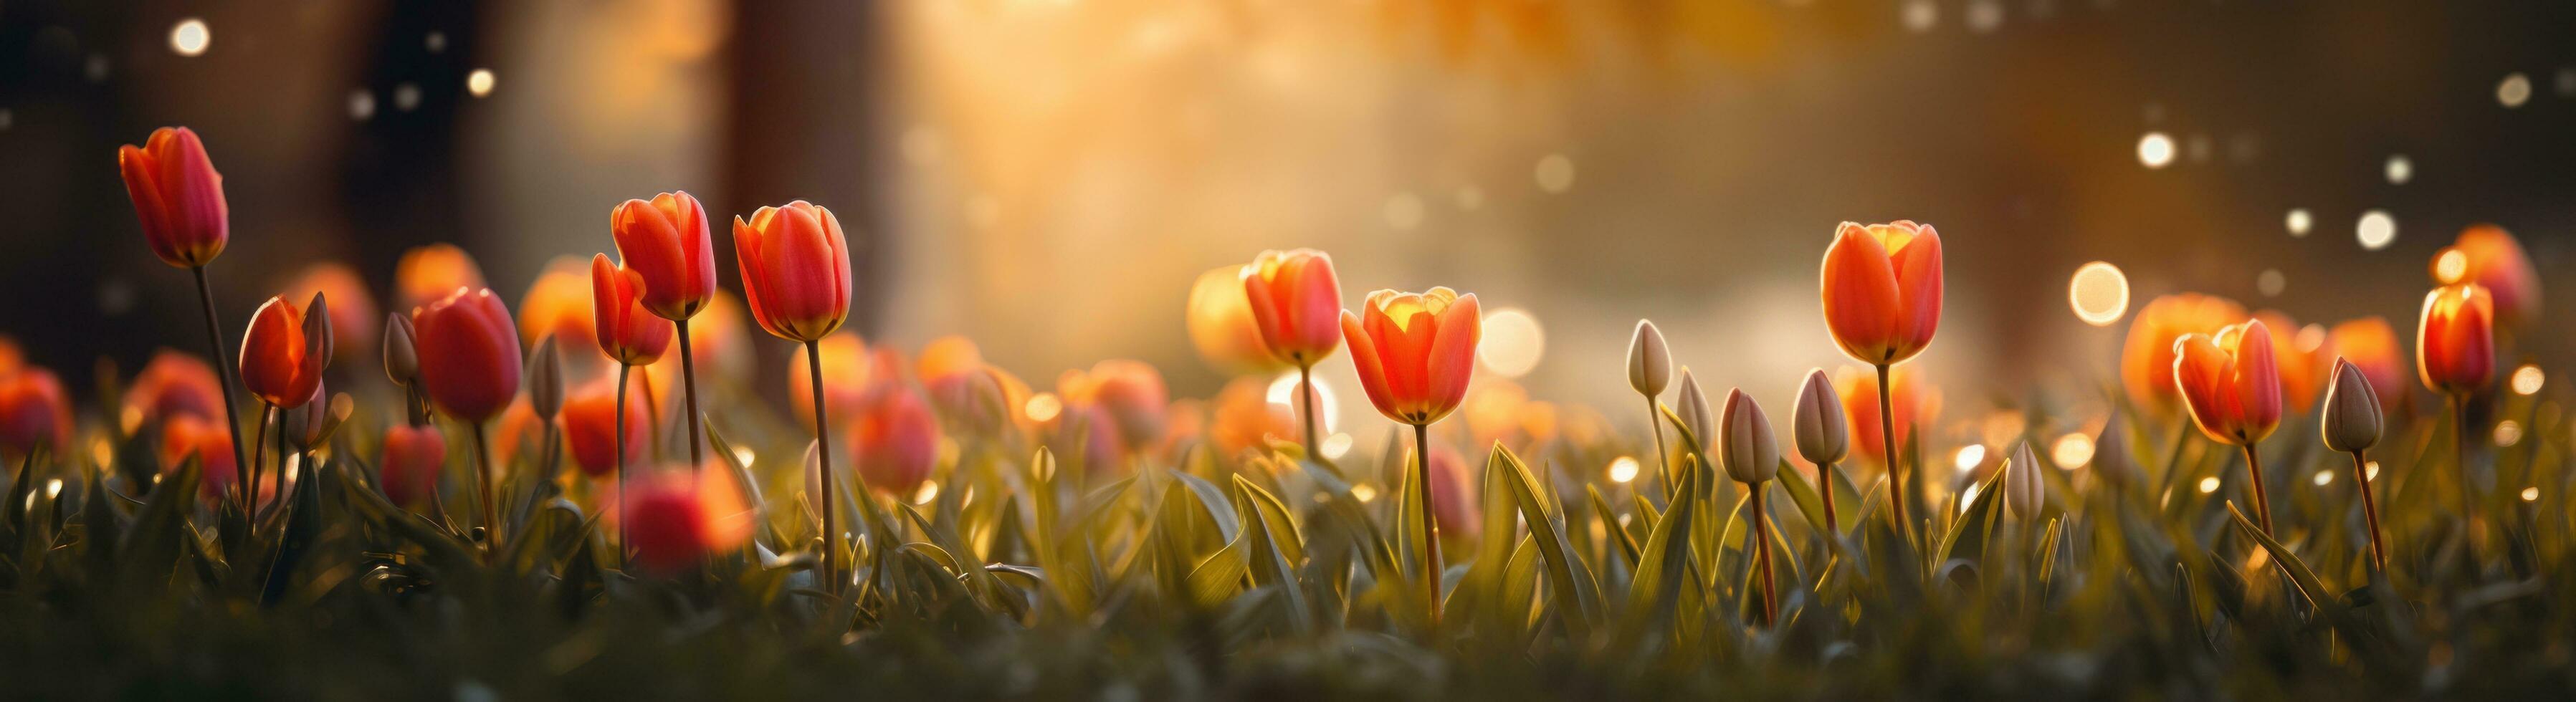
(2112, 457)
(1415, 351)
(897, 443)
(33, 412)
(795, 269)
(1748, 450)
(1882, 290)
(1823, 437)
(2230, 382)
(413, 458)
(589, 418)
(309, 426)
(545, 380)
(665, 241)
(1296, 302)
(2024, 491)
(2352, 415)
(2455, 344)
(283, 353)
(1692, 406)
(177, 195)
(470, 354)
(1650, 363)
(626, 331)
(402, 359)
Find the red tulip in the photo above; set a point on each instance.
(588, 416)
(626, 333)
(2455, 345)
(898, 443)
(1296, 302)
(795, 269)
(665, 241)
(469, 354)
(1882, 290)
(2230, 382)
(33, 411)
(184, 436)
(178, 196)
(674, 521)
(173, 384)
(283, 353)
(1415, 351)
(413, 458)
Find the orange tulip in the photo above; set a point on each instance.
(2230, 382)
(626, 333)
(469, 354)
(589, 418)
(665, 241)
(1913, 404)
(177, 195)
(426, 274)
(283, 353)
(185, 436)
(1296, 301)
(12, 358)
(847, 372)
(1882, 290)
(2147, 359)
(519, 427)
(2371, 345)
(2304, 368)
(898, 442)
(2455, 346)
(1128, 394)
(353, 309)
(1245, 418)
(678, 519)
(33, 411)
(795, 269)
(2489, 256)
(174, 383)
(1415, 351)
(413, 458)
(559, 303)
(722, 344)
(1221, 325)
(949, 367)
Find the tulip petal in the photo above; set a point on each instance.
(1860, 295)
(1370, 365)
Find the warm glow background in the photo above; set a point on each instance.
(1048, 176)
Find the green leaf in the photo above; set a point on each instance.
(152, 547)
(1625, 545)
(1980, 512)
(1567, 573)
(1654, 593)
(1220, 576)
(2309, 585)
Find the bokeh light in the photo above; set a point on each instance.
(2531, 494)
(2099, 292)
(1283, 392)
(2208, 485)
(190, 37)
(2527, 379)
(2271, 282)
(2376, 230)
(2323, 478)
(479, 82)
(2448, 267)
(2399, 170)
(2072, 451)
(2155, 150)
(2299, 222)
(2514, 90)
(1623, 469)
(1555, 173)
(1969, 456)
(2508, 433)
(1043, 407)
(1513, 343)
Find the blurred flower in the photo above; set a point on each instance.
(174, 383)
(2489, 256)
(2455, 345)
(1492, 410)
(1911, 404)
(1822, 432)
(1127, 394)
(558, 304)
(1453, 494)
(626, 332)
(1650, 363)
(427, 274)
(33, 411)
(2352, 416)
(1746, 448)
(519, 426)
(952, 370)
(12, 358)
(353, 309)
(795, 269)
(720, 341)
(1244, 416)
(545, 378)
(1691, 406)
(413, 458)
(2147, 361)
(589, 416)
(186, 436)
(2112, 457)
(1882, 290)
(178, 196)
(469, 354)
(2304, 372)
(402, 355)
(1221, 325)
(665, 242)
(2371, 345)
(1296, 302)
(846, 377)
(1415, 351)
(677, 519)
(897, 442)
(2230, 382)
(283, 353)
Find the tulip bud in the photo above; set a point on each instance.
(2024, 492)
(1692, 407)
(2352, 415)
(1822, 437)
(2455, 343)
(310, 426)
(471, 367)
(545, 379)
(2112, 458)
(283, 353)
(1749, 452)
(1650, 363)
(1295, 301)
(1882, 290)
(402, 361)
(795, 269)
(318, 339)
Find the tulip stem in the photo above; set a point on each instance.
(223, 363)
(2262, 504)
(246, 476)
(625, 554)
(1825, 489)
(1887, 450)
(1306, 399)
(483, 486)
(823, 468)
(2460, 455)
(1430, 526)
(2369, 511)
(1762, 566)
(1663, 461)
(689, 386)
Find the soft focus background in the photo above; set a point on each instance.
(1048, 176)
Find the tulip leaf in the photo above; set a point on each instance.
(2309, 585)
